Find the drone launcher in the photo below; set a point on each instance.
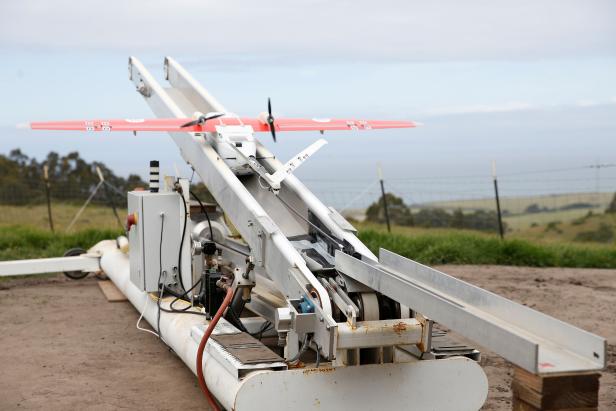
(310, 316)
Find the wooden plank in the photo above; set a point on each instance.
(552, 382)
(564, 391)
(111, 292)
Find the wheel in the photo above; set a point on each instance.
(75, 275)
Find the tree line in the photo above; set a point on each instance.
(71, 179)
(401, 214)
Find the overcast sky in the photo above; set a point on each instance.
(531, 84)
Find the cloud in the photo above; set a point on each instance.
(514, 106)
(587, 103)
(481, 108)
(282, 32)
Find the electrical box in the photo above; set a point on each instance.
(154, 237)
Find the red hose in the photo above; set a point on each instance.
(206, 336)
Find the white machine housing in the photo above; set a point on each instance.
(155, 212)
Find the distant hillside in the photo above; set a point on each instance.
(524, 212)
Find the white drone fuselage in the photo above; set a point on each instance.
(228, 140)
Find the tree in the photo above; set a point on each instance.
(399, 213)
(72, 178)
(457, 220)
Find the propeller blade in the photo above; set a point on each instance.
(194, 122)
(270, 119)
(202, 119)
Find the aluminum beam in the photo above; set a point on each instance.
(527, 338)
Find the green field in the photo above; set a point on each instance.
(20, 242)
(436, 246)
(35, 216)
(24, 234)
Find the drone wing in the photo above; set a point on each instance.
(316, 124)
(163, 124)
(258, 125)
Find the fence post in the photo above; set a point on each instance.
(384, 197)
(109, 196)
(498, 208)
(48, 195)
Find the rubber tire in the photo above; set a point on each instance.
(75, 275)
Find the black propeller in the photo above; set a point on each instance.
(270, 119)
(202, 119)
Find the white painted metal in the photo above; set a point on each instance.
(366, 387)
(529, 339)
(291, 165)
(383, 333)
(279, 258)
(455, 384)
(156, 211)
(84, 262)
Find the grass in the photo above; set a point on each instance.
(460, 247)
(94, 216)
(24, 234)
(21, 242)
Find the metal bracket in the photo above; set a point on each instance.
(262, 228)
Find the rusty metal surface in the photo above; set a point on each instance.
(246, 348)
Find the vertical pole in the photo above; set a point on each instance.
(384, 197)
(48, 195)
(498, 208)
(597, 180)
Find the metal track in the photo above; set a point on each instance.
(532, 340)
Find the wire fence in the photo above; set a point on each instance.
(526, 196)
(548, 189)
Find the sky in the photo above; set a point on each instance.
(529, 84)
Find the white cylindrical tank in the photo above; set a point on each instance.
(455, 384)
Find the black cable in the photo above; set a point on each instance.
(181, 297)
(302, 350)
(182, 241)
(236, 319)
(297, 213)
(183, 312)
(206, 214)
(185, 293)
(265, 327)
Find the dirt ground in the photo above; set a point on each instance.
(63, 346)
